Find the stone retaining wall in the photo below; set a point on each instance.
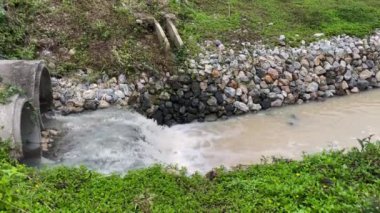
(224, 82)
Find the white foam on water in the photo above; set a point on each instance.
(118, 140)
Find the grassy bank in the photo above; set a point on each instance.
(326, 182)
(265, 20)
(102, 37)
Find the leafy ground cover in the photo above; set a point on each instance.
(327, 182)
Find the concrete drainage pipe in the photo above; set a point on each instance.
(19, 123)
(32, 77)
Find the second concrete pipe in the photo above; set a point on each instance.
(20, 119)
(20, 125)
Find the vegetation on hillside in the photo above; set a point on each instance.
(94, 36)
(327, 182)
(103, 37)
(248, 20)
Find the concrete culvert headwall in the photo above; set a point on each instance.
(32, 77)
(19, 123)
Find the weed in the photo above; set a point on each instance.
(7, 91)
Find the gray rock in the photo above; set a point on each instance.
(242, 57)
(203, 86)
(348, 75)
(378, 76)
(370, 64)
(297, 65)
(265, 65)
(164, 96)
(329, 93)
(300, 101)
(208, 68)
(201, 106)
(327, 66)
(344, 85)
(362, 84)
(307, 96)
(319, 70)
(312, 87)
(212, 89)
(241, 106)
(109, 98)
(140, 86)
(89, 94)
(255, 107)
(356, 56)
(120, 94)
(122, 79)
(103, 104)
(101, 93)
(93, 86)
(182, 110)
(77, 102)
(277, 103)
(230, 92)
(126, 90)
(365, 74)
(168, 104)
(355, 90)
(243, 77)
(263, 85)
(212, 101)
(239, 92)
(305, 63)
(91, 104)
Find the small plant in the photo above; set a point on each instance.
(365, 141)
(7, 91)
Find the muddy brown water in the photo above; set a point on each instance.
(118, 140)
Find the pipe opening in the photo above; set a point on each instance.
(45, 91)
(30, 133)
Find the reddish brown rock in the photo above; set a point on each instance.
(233, 84)
(215, 73)
(273, 73)
(268, 79)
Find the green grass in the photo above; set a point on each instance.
(297, 19)
(327, 182)
(106, 39)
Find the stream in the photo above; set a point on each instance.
(116, 140)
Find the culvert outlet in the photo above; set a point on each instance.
(19, 123)
(33, 78)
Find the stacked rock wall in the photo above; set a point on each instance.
(224, 82)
